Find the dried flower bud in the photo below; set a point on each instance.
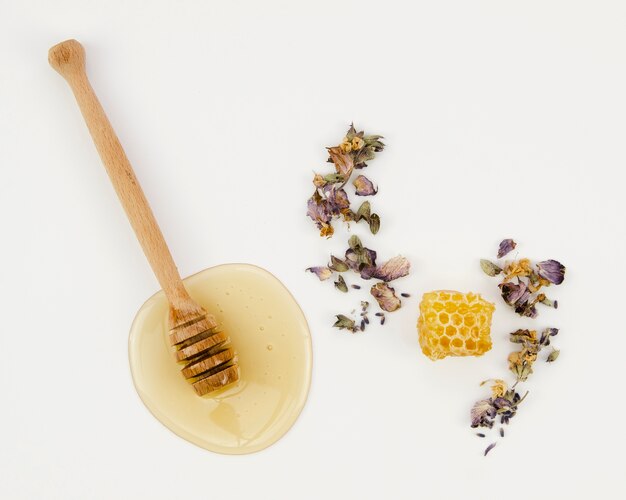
(357, 143)
(374, 223)
(506, 246)
(553, 355)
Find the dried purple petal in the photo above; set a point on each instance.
(364, 187)
(513, 293)
(551, 270)
(337, 199)
(318, 210)
(395, 268)
(322, 272)
(489, 448)
(483, 412)
(386, 297)
(489, 268)
(506, 246)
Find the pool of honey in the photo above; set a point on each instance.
(271, 338)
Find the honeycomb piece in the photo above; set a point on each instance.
(454, 324)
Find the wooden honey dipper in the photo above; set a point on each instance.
(209, 362)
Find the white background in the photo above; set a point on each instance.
(502, 119)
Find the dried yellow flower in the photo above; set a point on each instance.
(346, 145)
(517, 268)
(454, 324)
(357, 143)
(499, 388)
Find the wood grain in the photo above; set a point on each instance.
(187, 319)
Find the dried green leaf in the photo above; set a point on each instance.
(340, 285)
(337, 264)
(363, 212)
(333, 178)
(343, 322)
(374, 223)
(489, 268)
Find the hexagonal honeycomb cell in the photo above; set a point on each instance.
(454, 324)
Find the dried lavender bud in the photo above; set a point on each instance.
(365, 304)
(489, 268)
(480, 434)
(501, 432)
(362, 324)
(405, 295)
(506, 246)
(489, 448)
(340, 285)
(386, 297)
(379, 314)
(553, 355)
(551, 270)
(366, 319)
(364, 187)
(356, 287)
(322, 272)
(382, 320)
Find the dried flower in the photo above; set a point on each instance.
(357, 143)
(524, 294)
(322, 272)
(552, 270)
(329, 200)
(506, 246)
(499, 388)
(483, 412)
(386, 297)
(364, 187)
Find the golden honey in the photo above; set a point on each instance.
(270, 336)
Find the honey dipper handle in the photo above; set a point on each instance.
(68, 58)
